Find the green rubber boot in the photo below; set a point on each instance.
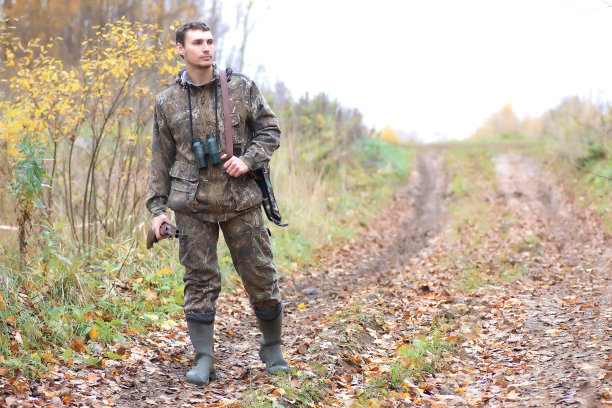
(202, 338)
(270, 350)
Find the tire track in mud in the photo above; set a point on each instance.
(414, 233)
(392, 240)
(543, 340)
(570, 341)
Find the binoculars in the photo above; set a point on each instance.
(208, 148)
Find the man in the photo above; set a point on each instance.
(224, 195)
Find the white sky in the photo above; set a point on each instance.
(437, 68)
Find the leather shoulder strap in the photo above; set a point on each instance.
(227, 114)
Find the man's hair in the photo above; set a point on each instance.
(193, 25)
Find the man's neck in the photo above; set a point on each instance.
(200, 76)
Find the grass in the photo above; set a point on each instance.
(353, 314)
(323, 208)
(471, 278)
(478, 225)
(297, 388)
(53, 309)
(414, 361)
(584, 168)
(472, 176)
(589, 177)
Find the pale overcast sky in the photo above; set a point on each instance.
(437, 68)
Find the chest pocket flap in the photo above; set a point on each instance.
(184, 171)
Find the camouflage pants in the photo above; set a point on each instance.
(249, 244)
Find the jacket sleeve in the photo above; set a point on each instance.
(265, 132)
(162, 157)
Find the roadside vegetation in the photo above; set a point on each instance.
(574, 139)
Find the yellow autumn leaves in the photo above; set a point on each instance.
(118, 66)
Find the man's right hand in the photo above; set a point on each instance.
(157, 223)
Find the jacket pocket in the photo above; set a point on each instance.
(183, 187)
(245, 191)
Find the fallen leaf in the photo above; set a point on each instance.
(552, 332)
(77, 346)
(425, 386)
(150, 295)
(93, 333)
(114, 356)
(512, 396)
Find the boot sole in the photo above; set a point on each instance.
(276, 370)
(211, 377)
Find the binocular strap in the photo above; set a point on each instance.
(227, 114)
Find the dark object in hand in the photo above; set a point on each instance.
(166, 230)
(203, 149)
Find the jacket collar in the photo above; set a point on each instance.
(184, 80)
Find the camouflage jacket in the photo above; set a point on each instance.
(175, 180)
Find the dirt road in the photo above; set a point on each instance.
(539, 337)
(555, 328)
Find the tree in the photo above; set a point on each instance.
(76, 20)
(389, 135)
(503, 122)
(93, 120)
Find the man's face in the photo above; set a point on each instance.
(199, 49)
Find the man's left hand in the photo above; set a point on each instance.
(234, 166)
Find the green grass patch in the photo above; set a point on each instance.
(353, 313)
(593, 187)
(328, 205)
(472, 177)
(494, 270)
(473, 182)
(585, 169)
(471, 279)
(297, 388)
(531, 244)
(79, 308)
(414, 361)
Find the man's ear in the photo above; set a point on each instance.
(180, 49)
